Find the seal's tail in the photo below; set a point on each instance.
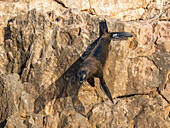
(103, 27)
(120, 35)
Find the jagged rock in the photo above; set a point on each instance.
(41, 51)
(16, 121)
(127, 11)
(14, 100)
(42, 45)
(138, 111)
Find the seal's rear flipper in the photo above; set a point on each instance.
(91, 81)
(120, 35)
(103, 27)
(105, 89)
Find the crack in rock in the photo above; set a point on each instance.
(61, 3)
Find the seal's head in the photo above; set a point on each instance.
(82, 76)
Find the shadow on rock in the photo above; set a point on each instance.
(67, 85)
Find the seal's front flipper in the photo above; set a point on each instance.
(105, 89)
(91, 81)
(120, 35)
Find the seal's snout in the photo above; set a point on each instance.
(82, 76)
(81, 81)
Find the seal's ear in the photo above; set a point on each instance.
(120, 35)
(103, 27)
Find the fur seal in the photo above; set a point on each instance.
(93, 65)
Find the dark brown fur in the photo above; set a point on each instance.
(94, 64)
(97, 58)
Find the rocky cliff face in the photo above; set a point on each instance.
(43, 43)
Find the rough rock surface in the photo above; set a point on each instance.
(43, 43)
(128, 10)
